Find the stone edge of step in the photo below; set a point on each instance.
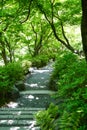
(33, 92)
(21, 109)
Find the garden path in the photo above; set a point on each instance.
(19, 115)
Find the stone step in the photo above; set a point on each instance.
(18, 117)
(19, 128)
(42, 92)
(12, 122)
(21, 118)
(17, 112)
(21, 109)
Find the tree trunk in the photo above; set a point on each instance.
(38, 45)
(9, 49)
(3, 49)
(4, 56)
(3, 52)
(84, 27)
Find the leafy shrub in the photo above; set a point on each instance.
(5, 84)
(69, 121)
(40, 61)
(14, 71)
(70, 75)
(73, 79)
(26, 65)
(63, 61)
(8, 76)
(47, 118)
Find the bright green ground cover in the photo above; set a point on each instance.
(70, 78)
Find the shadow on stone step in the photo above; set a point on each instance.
(20, 85)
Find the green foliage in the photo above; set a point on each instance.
(69, 121)
(70, 75)
(14, 71)
(26, 65)
(36, 33)
(72, 81)
(47, 118)
(9, 75)
(40, 61)
(63, 61)
(71, 12)
(5, 84)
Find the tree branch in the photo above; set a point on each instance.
(7, 25)
(63, 32)
(66, 42)
(29, 7)
(35, 34)
(30, 50)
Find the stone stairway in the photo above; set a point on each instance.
(18, 118)
(23, 117)
(20, 115)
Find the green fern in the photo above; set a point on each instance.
(46, 118)
(69, 121)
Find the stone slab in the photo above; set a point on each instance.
(19, 128)
(21, 109)
(15, 122)
(18, 117)
(37, 92)
(17, 112)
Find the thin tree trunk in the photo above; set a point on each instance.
(3, 53)
(9, 49)
(84, 27)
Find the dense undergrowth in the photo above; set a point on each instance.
(69, 78)
(40, 61)
(16, 71)
(9, 75)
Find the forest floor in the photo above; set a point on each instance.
(20, 115)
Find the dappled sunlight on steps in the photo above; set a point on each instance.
(18, 118)
(20, 114)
